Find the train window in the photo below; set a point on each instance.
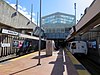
(73, 46)
(82, 46)
(69, 44)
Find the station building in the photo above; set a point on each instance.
(57, 25)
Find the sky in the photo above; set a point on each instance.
(51, 6)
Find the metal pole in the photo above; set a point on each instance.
(39, 38)
(16, 6)
(37, 18)
(31, 16)
(31, 11)
(75, 11)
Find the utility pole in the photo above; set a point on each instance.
(31, 15)
(39, 57)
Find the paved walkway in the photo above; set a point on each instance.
(57, 64)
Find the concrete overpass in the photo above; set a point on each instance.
(90, 19)
(9, 19)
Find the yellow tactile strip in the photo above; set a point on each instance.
(22, 56)
(19, 58)
(25, 56)
(75, 61)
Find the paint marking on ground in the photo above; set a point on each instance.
(83, 72)
(75, 61)
(65, 72)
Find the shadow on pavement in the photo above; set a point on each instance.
(42, 56)
(58, 68)
(23, 70)
(59, 64)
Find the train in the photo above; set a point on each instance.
(78, 47)
(89, 49)
(30, 44)
(18, 44)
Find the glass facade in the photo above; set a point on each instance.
(57, 24)
(59, 18)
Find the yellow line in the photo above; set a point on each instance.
(83, 72)
(1, 65)
(23, 56)
(75, 61)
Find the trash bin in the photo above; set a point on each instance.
(49, 47)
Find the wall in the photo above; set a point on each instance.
(18, 21)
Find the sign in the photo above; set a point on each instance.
(5, 44)
(99, 45)
(9, 32)
(92, 44)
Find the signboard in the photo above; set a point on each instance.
(92, 44)
(5, 44)
(99, 45)
(9, 32)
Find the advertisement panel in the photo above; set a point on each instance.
(17, 43)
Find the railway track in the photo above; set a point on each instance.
(91, 66)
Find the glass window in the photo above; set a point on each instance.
(58, 30)
(50, 30)
(62, 30)
(53, 30)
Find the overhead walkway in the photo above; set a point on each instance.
(60, 63)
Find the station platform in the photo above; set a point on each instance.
(60, 63)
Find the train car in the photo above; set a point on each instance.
(30, 44)
(13, 43)
(78, 47)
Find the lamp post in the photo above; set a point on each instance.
(39, 57)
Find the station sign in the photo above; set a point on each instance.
(9, 32)
(5, 44)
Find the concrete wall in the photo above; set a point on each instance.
(18, 21)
